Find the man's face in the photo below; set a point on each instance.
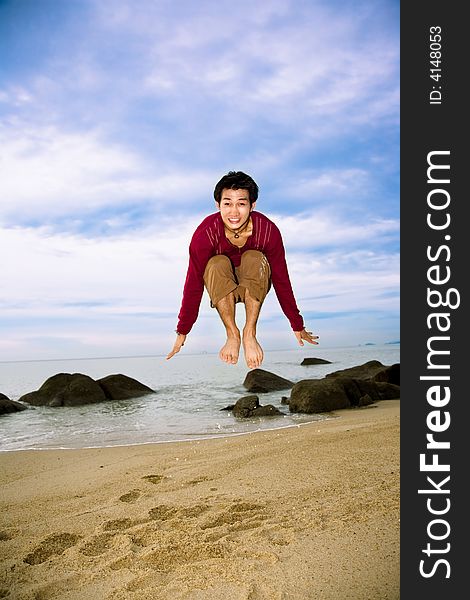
(235, 208)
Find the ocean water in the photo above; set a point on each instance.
(190, 391)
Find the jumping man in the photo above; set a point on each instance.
(237, 253)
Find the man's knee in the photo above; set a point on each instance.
(219, 264)
(254, 264)
(252, 257)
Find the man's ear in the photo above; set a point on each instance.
(217, 205)
(253, 206)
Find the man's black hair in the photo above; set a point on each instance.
(236, 180)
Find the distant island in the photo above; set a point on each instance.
(385, 343)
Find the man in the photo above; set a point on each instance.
(237, 253)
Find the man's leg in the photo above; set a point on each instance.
(254, 276)
(219, 280)
(253, 351)
(231, 349)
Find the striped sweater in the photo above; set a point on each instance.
(209, 239)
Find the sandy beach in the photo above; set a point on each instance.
(300, 513)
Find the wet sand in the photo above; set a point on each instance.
(300, 513)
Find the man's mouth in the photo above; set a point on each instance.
(234, 221)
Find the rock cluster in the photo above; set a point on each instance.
(358, 386)
(76, 389)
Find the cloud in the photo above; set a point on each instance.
(321, 228)
(315, 68)
(48, 173)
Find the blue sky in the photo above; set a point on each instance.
(118, 117)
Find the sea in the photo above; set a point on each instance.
(191, 392)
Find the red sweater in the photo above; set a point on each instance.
(209, 239)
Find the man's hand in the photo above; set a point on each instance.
(180, 339)
(307, 336)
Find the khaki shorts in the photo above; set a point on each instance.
(253, 274)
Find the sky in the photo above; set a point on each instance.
(117, 119)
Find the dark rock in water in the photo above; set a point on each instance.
(66, 389)
(121, 387)
(284, 400)
(268, 410)
(249, 406)
(315, 361)
(10, 406)
(75, 389)
(229, 407)
(260, 381)
(245, 406)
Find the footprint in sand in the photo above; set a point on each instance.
(162, 512)
(118, 524)
(153, 478)
(237, 516)
(54, 544)
(4, 536)
(130, 497)
(97, 545)
(199, 480)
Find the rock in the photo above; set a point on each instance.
(388, 391)
(284, 400)
(10, 406)
(373, 370)
(365, 400)
(121, 387)
(365, 371)
(249, 406)
(268, 410)
(318, 395)
(389, 374)
(261, 381)
(325, 395)
(66, 389)
(315, 361)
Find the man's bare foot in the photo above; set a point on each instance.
(230, 351)
(253, 352)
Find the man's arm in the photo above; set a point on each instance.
(199, 253)
(283, 288)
